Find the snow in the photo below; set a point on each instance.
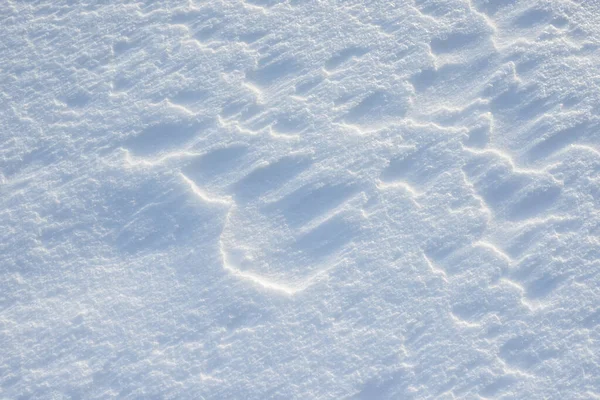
(269, 199)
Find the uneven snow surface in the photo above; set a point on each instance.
(293, 199)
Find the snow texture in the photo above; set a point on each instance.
(263, 199)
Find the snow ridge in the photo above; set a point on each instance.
(282, 199)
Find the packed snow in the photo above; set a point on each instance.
(264, 199)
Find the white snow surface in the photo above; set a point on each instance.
(293, 199)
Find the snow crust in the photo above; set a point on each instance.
(294, 199)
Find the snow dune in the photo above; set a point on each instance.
(269, 199)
